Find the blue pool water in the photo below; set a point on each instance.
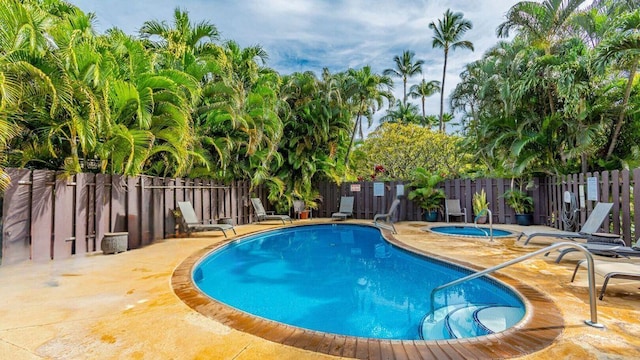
(343, 279)
(469, 231)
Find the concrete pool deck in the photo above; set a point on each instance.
(123, 306)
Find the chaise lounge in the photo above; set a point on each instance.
(612, 249)
(346, 208)
(387, 216)
(588, 231)
(192, 223)
(611, 270)
(263, 215)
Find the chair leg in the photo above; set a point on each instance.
(604, 287)
(575, 271)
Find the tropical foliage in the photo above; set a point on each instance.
(175, 100)
(561, 96)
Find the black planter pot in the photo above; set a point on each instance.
(524, 219)
(431, 216)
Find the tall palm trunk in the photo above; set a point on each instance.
(444, 72)
(404, 85)
(623, 111)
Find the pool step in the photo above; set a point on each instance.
(498, 318)
(471, 320)
(460, 323)
(434, 327)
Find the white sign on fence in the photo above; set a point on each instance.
(378, 189)
(400, 190)
(592, 188)
(355, 187)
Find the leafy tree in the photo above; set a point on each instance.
(448, 34)
(401, 148)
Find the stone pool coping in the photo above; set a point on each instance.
(540, 327)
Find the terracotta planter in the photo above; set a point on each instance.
(304, 214)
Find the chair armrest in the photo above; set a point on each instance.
(270, 212)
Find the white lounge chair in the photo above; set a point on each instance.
(611, 270)
(387, 217)
(192, 223)
(452, 207)
(346, 208)
(588, 231)
(263, 215)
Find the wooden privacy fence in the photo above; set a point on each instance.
(44, 217)
(619, 187)
(367, 203)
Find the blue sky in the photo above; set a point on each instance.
(302, 35)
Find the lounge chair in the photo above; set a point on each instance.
(452, 207)
(613, 249)
(192, 223)
(611, 270)
(387, 217)
(263, 215)
(346, 208)
(588, 231)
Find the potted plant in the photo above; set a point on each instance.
(479, 203)
(425, 193)
(522, 204)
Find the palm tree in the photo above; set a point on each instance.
(367, 92)
(447, 35)
(402, 113)
(180, 41)
(423, 90)
(622, 47)
(541, 24)
(405, 68)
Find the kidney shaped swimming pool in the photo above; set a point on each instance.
(347, 279)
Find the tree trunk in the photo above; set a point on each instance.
(444, 72)
(353, 135)
(623, 111)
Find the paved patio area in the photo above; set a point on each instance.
(123, 306)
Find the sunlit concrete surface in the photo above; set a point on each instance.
(123, 306)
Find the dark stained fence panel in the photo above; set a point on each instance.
(81, 211)
(16, 242)
(42, 215)
(118, 204)
(159, 213)
(133, 201)
(63, 224)
(103, 205)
